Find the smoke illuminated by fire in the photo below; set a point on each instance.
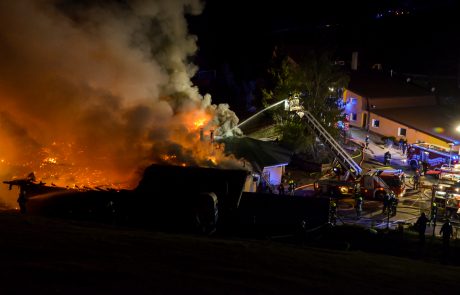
(93, 91)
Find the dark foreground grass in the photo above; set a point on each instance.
(45, 256)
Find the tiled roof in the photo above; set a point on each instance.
(382, 85)
(437, 121)
(259, 153)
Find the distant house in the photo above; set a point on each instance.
(268, 159)
(390, 106)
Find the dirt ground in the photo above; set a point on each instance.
(51, 256)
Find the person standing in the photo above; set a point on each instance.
(281, 189)
(416, 179)
(386, 203)
(425, 167)
(332, 212)
(434, 213)
(404, 147)
(401, 143)
(22, 200)
(420, 225)
(386, 158)
(447, 232)
(393, 204)
(367, 141)
(359, 206)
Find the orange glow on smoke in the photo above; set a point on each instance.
(196, 119)
(199, 123)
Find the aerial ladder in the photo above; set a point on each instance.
(372, 184)
(341, 156)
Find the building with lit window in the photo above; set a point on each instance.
(389, 106)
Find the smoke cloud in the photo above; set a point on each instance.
(100, 87)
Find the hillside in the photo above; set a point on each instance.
(44, 256)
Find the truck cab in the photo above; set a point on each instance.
(446, 195)
(375, 183)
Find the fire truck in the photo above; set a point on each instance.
(446, 196)
(349, 172)
(449, 172)
(374, 185)
(435, 156)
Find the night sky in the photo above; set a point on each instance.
(416, 36)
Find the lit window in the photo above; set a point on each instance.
(353, 100)
(375, 123)
(353, 116)
(401, 131)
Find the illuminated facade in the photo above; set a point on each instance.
(412, 116)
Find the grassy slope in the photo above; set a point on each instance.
(62, 257)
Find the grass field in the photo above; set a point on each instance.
(50, 256)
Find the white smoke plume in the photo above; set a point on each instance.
(98, 84)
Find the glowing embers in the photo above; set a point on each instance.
(213, 160)
(68, 165)
(171, 159)
(50, 160)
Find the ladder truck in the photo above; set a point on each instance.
(371, 184)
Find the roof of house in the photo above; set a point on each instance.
(437, 121)
(380, 85)
(259, 153)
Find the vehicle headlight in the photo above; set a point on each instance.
(343, 189)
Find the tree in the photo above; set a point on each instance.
(317, 83)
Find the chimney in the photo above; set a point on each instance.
(201, 134)
(354, 60)
(211, 135)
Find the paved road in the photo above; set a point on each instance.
(410, 206)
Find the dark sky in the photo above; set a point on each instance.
(414, 36)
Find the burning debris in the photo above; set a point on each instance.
(92, 92)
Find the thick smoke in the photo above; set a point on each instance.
(99, 85)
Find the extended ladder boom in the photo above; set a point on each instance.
(342, 156)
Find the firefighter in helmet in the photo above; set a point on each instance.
(332, 211)
(386, 158)
(416, 179)
(434, 212)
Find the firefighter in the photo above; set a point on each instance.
(281, 189)
(386, 202)
(291, 186)
(367, 141)
(386, 158)
(434, 213)
(22, 200)
(420, 225)
(416, 179)
(393, 203)
(359, 205)
(424, 167)
(447, 233)
(332, 212)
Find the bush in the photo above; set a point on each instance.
(389, 139)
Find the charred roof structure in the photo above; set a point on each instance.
(259, 153)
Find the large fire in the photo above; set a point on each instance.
(90, 94)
